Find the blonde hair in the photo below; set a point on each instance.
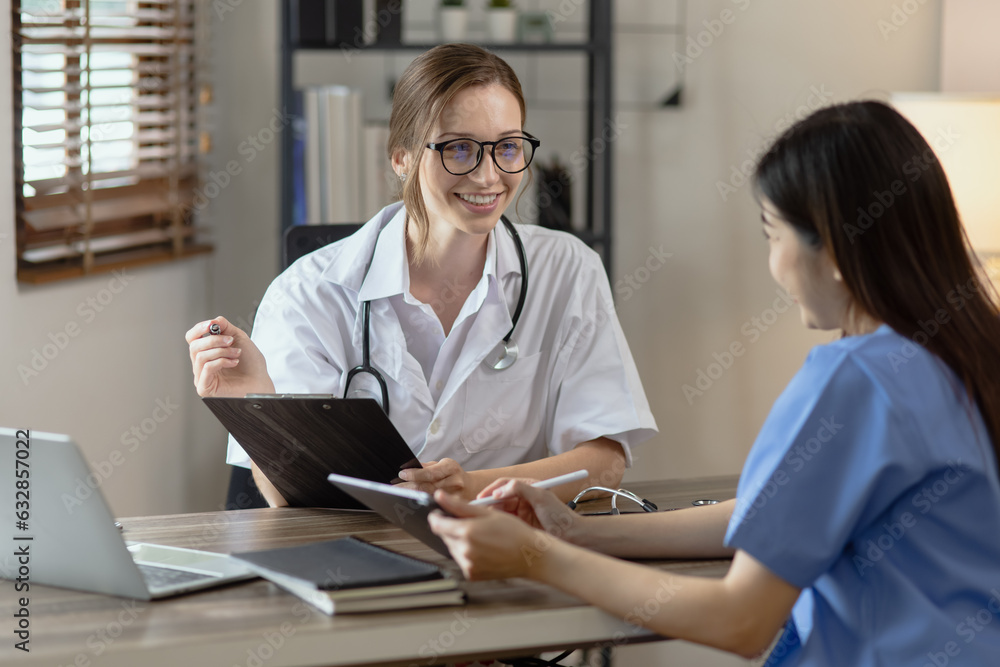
(431, 81)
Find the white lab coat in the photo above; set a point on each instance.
(574, 379)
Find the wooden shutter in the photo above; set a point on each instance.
(107, 137)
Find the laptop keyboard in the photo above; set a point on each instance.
(158, 577)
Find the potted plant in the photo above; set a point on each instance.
(501, 22)
(453, 20)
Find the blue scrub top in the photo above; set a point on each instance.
(873, 487)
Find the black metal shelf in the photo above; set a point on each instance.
(597, 183)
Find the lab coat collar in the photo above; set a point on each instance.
(349, 266)
(376, 270)
(361, 252)
(388, 274)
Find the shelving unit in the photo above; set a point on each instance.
(597, 231)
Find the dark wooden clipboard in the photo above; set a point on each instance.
(298, 439)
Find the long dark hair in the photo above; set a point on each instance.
(859, 179)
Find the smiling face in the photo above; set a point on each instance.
(473, 203)
(808, 274)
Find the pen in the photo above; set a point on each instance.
(213, 330)
(544, 484)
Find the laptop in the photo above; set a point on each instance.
(58, 530)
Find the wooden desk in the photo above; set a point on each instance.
(256, 624)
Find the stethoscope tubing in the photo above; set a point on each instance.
(366, 366)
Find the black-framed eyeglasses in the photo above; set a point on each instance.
(510, 154)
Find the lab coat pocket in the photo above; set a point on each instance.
(504, 408)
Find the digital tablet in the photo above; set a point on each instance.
(298, 439)
(406, 508)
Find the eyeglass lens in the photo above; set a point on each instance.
(511, 154)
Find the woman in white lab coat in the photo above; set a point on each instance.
(444, 282)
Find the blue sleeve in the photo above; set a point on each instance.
(830, 458)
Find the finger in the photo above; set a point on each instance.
(458, 507)
(202, 344)
(430, 473)
(197, 331)
(207, 383)
(522, 489)
(453, 534)
(513, 506)
(452, 530)
(441, 524)
(203, 357)
(202, 329)
(495, 484)
(414, 475)
(508, 490)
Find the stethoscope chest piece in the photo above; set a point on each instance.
(503, 355)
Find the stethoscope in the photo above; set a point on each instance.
(501, 357)
(647, 505)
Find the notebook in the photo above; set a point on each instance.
(62, 531)
(349, 575)
(296, 439)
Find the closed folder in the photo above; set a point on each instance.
(349, 575)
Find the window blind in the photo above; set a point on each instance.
(109, 97)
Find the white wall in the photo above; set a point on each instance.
(126, 364)
(761, 69)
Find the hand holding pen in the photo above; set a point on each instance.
(224, 360)
(551, 483)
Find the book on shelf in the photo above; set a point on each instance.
(340, 173)
(333, 145)
(349, 575)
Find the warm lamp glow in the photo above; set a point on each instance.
(964, 131)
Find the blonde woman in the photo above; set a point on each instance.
(443, 285)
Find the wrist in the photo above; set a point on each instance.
(543, 555)
(580, 532)
(475, 481)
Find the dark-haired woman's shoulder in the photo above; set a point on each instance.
(886, 375)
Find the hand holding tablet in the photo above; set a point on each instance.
(408, 508)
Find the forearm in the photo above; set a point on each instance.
(695, 532)
(703, 610)
(602, 458)
(268, 490)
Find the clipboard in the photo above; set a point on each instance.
(298, 439)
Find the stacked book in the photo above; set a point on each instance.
(349, 575)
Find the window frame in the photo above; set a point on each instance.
(89, 222)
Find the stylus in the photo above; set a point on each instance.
(544, 484)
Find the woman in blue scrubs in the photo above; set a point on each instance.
(867, 519)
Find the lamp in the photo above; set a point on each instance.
(964, 131)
